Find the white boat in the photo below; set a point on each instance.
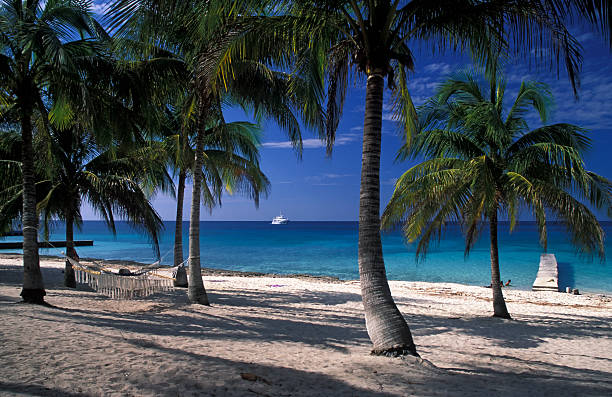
(279, 220)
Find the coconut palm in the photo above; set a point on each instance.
(482, 161)
(231, 163)
(72, 168)
(39, 43)
(373, 40)
(201, 34)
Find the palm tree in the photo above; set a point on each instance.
(72, 168)
(372, 39)
(482, 161)
(203, 33)
(39, 43)
(231, 163)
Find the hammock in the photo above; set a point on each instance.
(145, 282)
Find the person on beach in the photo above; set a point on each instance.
(501, 284)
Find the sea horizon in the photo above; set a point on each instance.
(329, 248)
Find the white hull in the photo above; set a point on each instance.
(280, 220)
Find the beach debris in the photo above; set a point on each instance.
(248, 376)
(251, 377)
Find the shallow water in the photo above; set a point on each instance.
(330, 248)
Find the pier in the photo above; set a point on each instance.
(44, 244)
(547, 278)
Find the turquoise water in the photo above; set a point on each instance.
(330, 248)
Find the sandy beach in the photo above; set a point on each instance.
(297, 337)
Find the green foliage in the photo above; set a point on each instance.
(482, 158)
(218, 44)
(72, 168)
(230, 158)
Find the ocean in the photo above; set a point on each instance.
(330, 249)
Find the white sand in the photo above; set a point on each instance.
(300, 338)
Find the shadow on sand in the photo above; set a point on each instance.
(324, 321)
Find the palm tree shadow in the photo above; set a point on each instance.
(25, 389)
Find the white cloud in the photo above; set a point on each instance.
(335, 176)
(313, 143)
(592, 111)
(100, 7)
(439, 68)
(326, 179)
(390, 181)
(585, 37)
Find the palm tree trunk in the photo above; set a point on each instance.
(196, 291)
(181, 275)
(178, 230)
(386, 326)
(499, 304)
(69, 278)
(33, 287)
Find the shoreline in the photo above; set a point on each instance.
(207, 271)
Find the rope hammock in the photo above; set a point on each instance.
(145, 282)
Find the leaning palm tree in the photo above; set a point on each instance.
(483, 161)
(72, 168)
(39, 43)
(372, 39)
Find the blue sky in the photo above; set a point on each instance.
(318, 187)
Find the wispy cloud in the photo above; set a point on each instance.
(390, 181)
(591, 111)
(438, 68)
(313, 143)
(336, 176)
(587, 36)
(100, 7)
(326, 179)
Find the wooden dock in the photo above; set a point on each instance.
(44, 244)
(547, 278)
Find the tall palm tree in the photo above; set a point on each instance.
(39, 43)
(202, 33)
(72, 168)
(482, 161)
(231, 163)
(372, 39)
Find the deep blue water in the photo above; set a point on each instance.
(330, 248)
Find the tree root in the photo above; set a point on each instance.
(34, 296)
(396, 351)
